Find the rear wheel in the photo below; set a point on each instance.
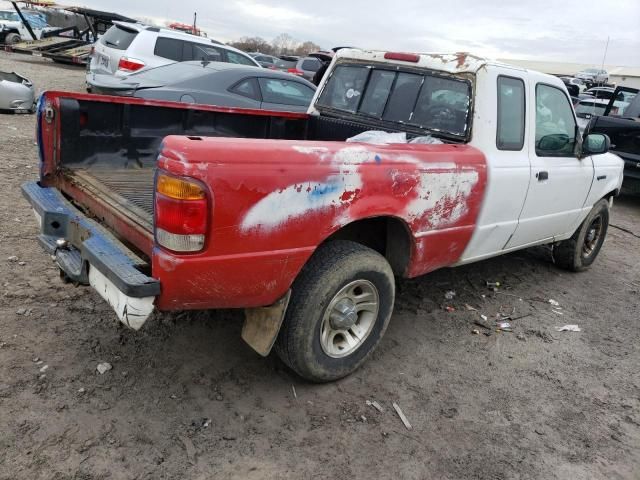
(340, 307)
(581, 250)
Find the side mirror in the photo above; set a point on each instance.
(553, 143)
(595, 144)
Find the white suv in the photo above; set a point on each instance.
(593, 75)
(133, 47)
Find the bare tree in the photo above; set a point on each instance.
(306, 48)
(253, 44)
(284, 44)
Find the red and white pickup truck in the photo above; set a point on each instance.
(170, 206)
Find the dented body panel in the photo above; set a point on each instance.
(275, 201)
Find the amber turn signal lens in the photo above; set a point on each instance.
(178, 188)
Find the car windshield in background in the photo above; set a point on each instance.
(286, 63)
(118, 37)
(421, 100)
(590, 108)
(311, 65)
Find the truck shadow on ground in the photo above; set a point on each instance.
(209, 341)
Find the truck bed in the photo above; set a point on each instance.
(101, 151)
(131, 188)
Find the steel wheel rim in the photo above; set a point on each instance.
(592, 238)
(349, 318)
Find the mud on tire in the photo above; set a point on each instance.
(340, 307)
(580, 251)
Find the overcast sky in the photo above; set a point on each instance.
(557, 30)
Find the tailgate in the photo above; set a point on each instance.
(89, 255)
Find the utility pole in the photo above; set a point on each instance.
(194, 22)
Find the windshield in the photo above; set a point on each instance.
(285, 63)
(421, 100)
(591, 70)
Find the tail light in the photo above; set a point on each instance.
(130, 64)
(403, 57)
(295, 71)
(181, 213)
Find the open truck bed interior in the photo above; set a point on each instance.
(108, 147)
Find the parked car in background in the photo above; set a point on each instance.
(575, 86)
(214, 83)
(588, 108)
(309, 65)
(601, 92)
(17, 93)
(621, 122)
(594, 76)
(284, 63)
(287, 63)
(12, 30)
(265, 61)
(127, 48)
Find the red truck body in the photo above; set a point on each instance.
(273, 202)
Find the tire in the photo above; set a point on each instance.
(338, 286)
(12, 39)
(581, 250)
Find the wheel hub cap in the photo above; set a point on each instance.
(349, 318)
(344, 314)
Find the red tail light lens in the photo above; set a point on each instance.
(130, 64)
(181, 213)
(295, 71)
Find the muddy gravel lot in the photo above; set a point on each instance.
(186, 398)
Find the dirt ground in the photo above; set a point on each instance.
(186, 398)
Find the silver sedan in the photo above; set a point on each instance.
(16, 93)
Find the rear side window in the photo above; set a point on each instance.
(247, 88)
(206, 52)
(285, 92)
(311, 65)
(169, 48)
(511, 113)
(234, 57)
(118, 37)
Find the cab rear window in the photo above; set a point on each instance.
(118, 37)
(421, 100)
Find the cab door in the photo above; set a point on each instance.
(560, 181)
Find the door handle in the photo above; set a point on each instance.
(542, 176)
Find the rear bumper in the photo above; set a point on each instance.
(88, 254)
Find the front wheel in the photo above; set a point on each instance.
(580, 251)
(12, 39)
(339, 309)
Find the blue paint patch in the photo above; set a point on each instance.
(378, 158)
(323, 189)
